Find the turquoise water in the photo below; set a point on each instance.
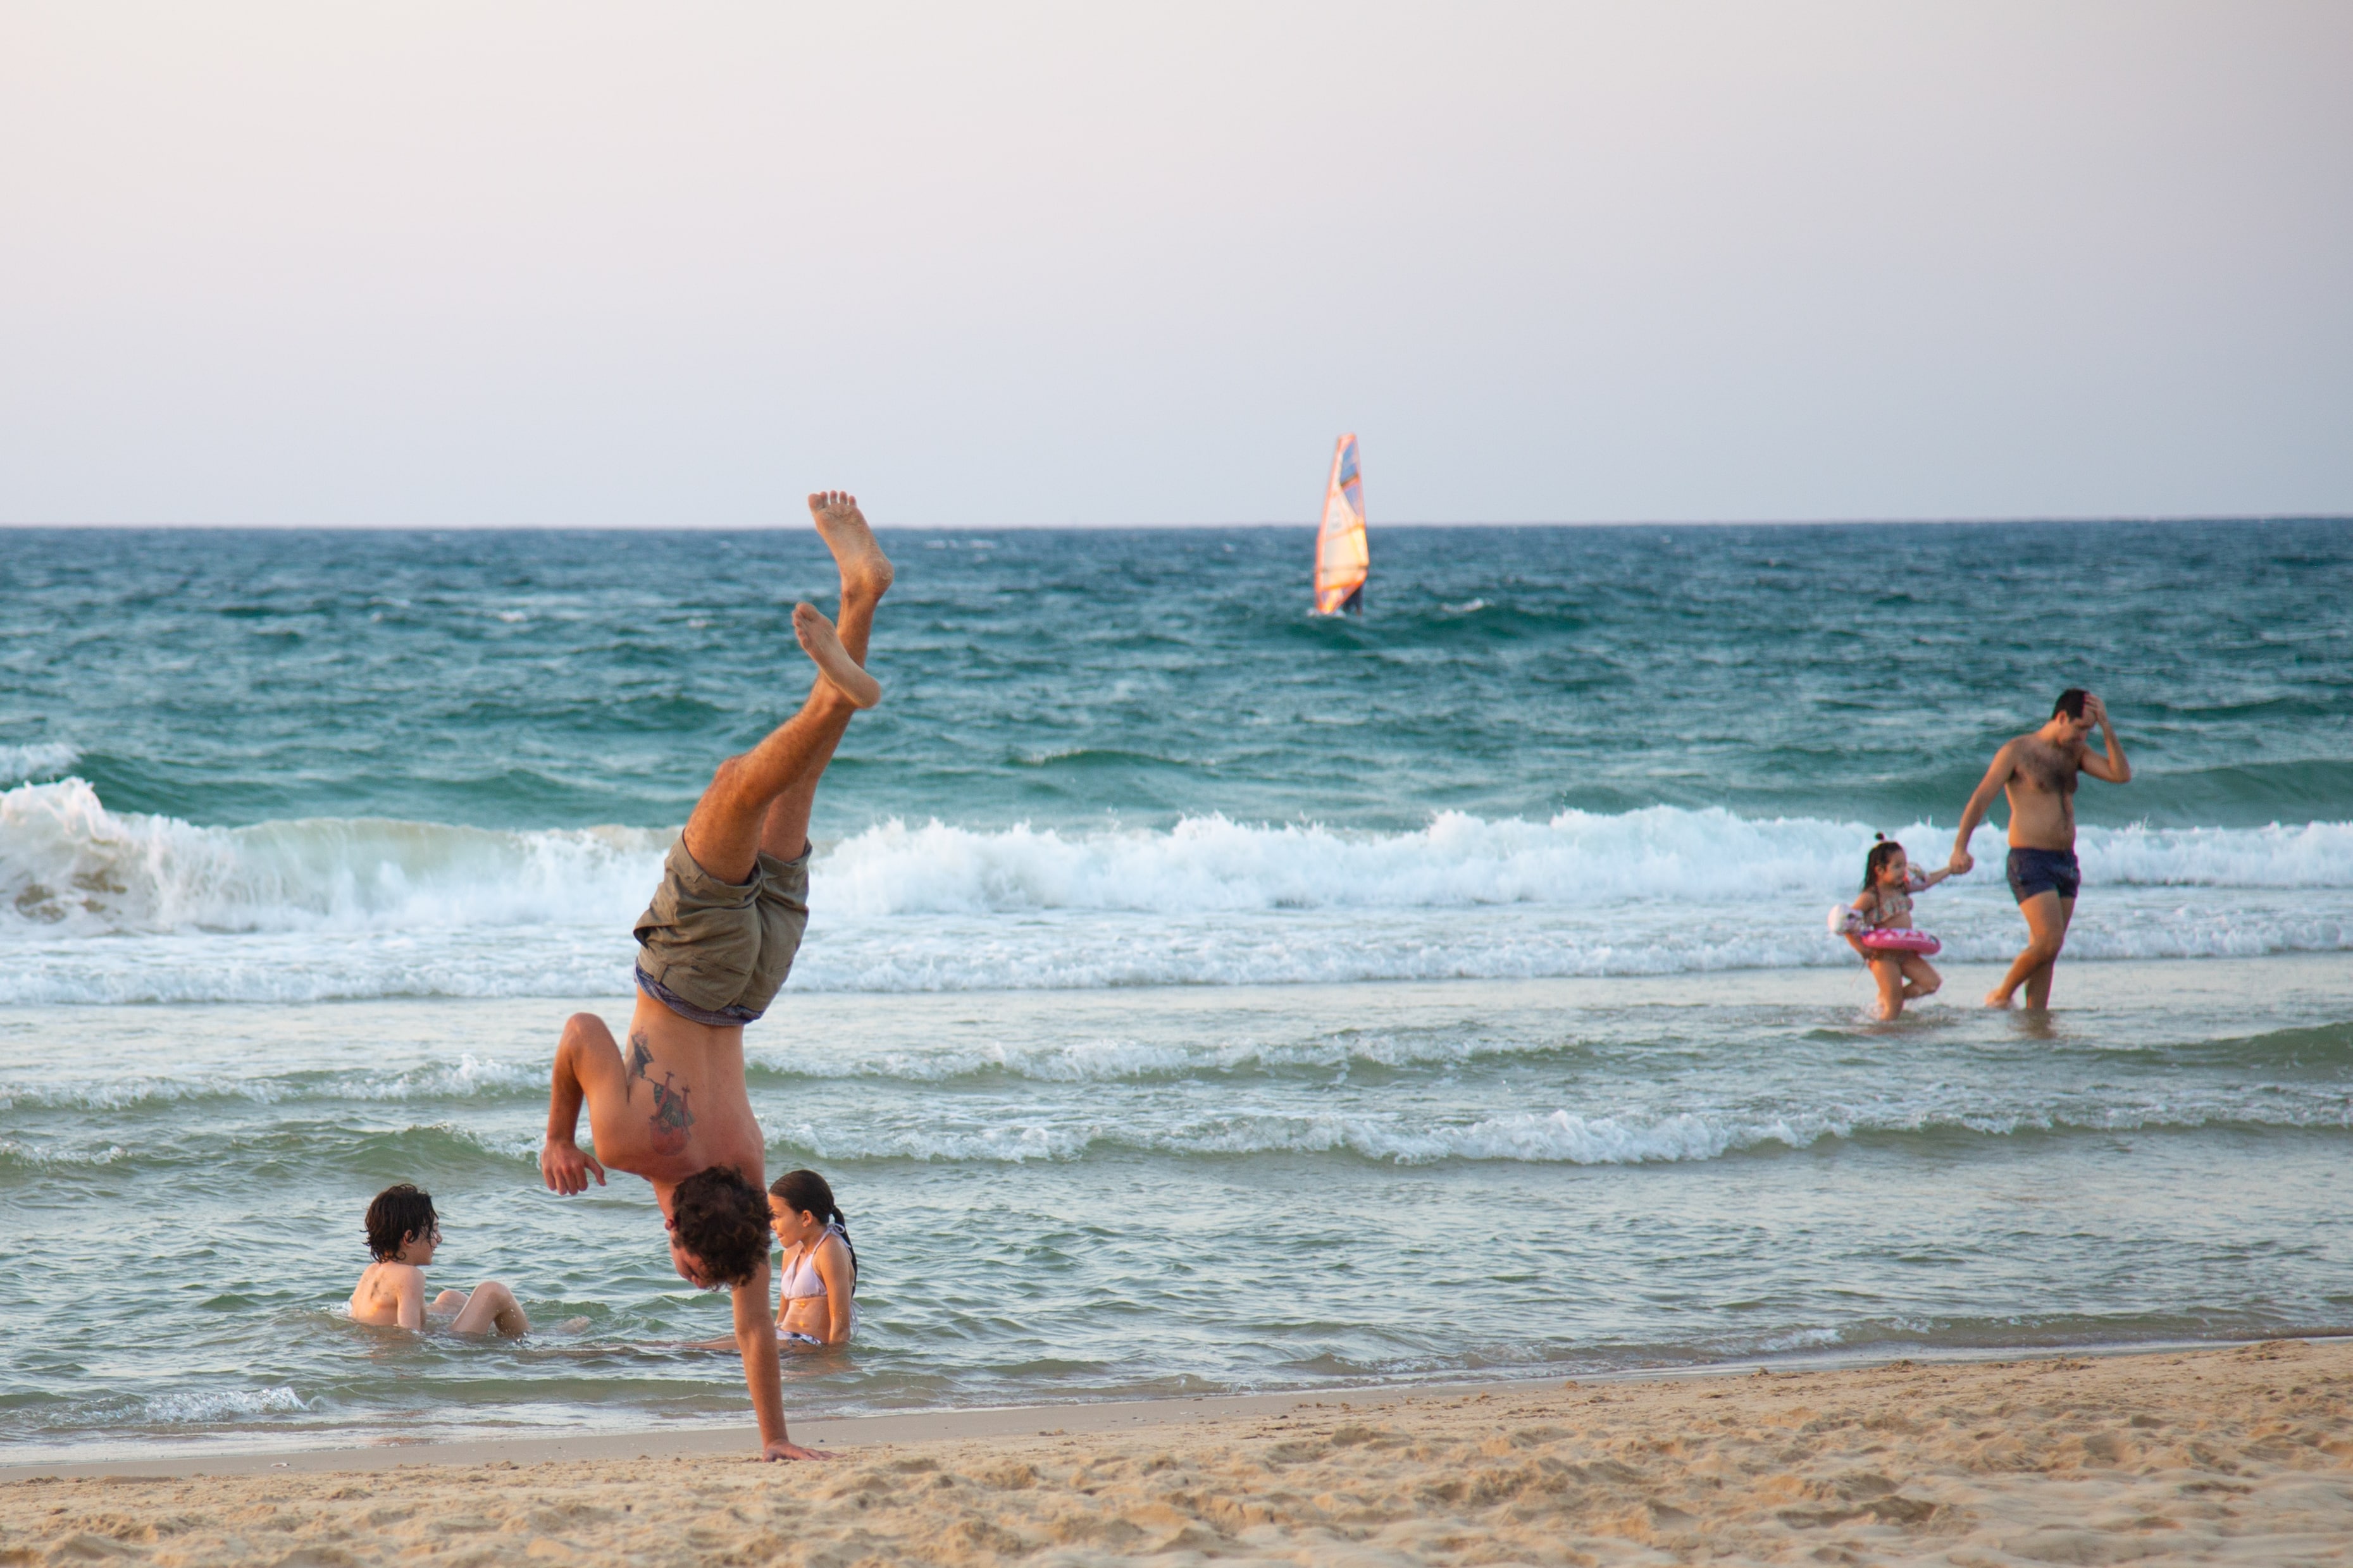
(532, 681)
(1199, 995)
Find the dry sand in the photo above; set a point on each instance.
(2242, 1455)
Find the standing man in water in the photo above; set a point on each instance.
(713, 949)
(2038, 773)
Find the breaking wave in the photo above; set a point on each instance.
(205, 1407)
(181, 1409)
(467, 1077)
(68, 864)
(792, 1068)
(41, 760)
(1576, 860)
(98, 905)
(1555, 1137)
(1080, 1130)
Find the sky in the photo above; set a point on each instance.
(583, 264)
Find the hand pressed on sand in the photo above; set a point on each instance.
(780, 1449)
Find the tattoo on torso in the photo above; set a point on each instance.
(671, 1119)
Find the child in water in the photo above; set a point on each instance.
(817, 1281)
(816, 1308)
(1889, 880)
(403, 1232)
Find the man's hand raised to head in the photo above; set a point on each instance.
(566, 1167)
(2112, 767)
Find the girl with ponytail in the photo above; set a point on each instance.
(819, 1278)
(1889, 880)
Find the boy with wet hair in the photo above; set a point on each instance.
(403, 1233)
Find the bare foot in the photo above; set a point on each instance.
(864, 568)
(821, 643)
(1997, 999)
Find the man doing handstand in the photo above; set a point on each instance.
(713, 949)
(2037, 772)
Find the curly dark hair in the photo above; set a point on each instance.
(399, 1212)
(722, 1219)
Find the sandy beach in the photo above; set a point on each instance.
(2239, 1455)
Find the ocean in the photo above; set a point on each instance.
(1198, 995)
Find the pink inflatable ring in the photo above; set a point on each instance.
(1899, 939)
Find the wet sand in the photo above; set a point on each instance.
(2240, 1455)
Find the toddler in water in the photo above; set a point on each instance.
(1889, 880)
(403, 1232)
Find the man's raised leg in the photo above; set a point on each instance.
(866, 571)
(723, 833)
(761, 800)
(866, 577)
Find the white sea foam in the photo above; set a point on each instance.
(1018, 1132)
(1576, 860)
(1555, 1137)
(328, 908)
(55, 1156)
(1128, 1061)
(1210, 864)
(66, 862)
(40, 760)
(211, 1406)
(468, 1076)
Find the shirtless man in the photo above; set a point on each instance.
(713, 949)
(2037, 772)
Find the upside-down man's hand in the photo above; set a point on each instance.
(781, 1450)
(566, 1167)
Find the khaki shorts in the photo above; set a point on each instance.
(718, 952)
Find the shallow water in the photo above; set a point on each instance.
(1198, 996)
(1063, 1194)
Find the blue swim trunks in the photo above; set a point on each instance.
(2034, 871)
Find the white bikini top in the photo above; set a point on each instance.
(801, 1281)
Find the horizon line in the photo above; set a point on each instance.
(2079, 519)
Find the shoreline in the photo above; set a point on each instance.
(1099, 1418)
(2217, 1454)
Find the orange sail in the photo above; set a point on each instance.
(1341, 559)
